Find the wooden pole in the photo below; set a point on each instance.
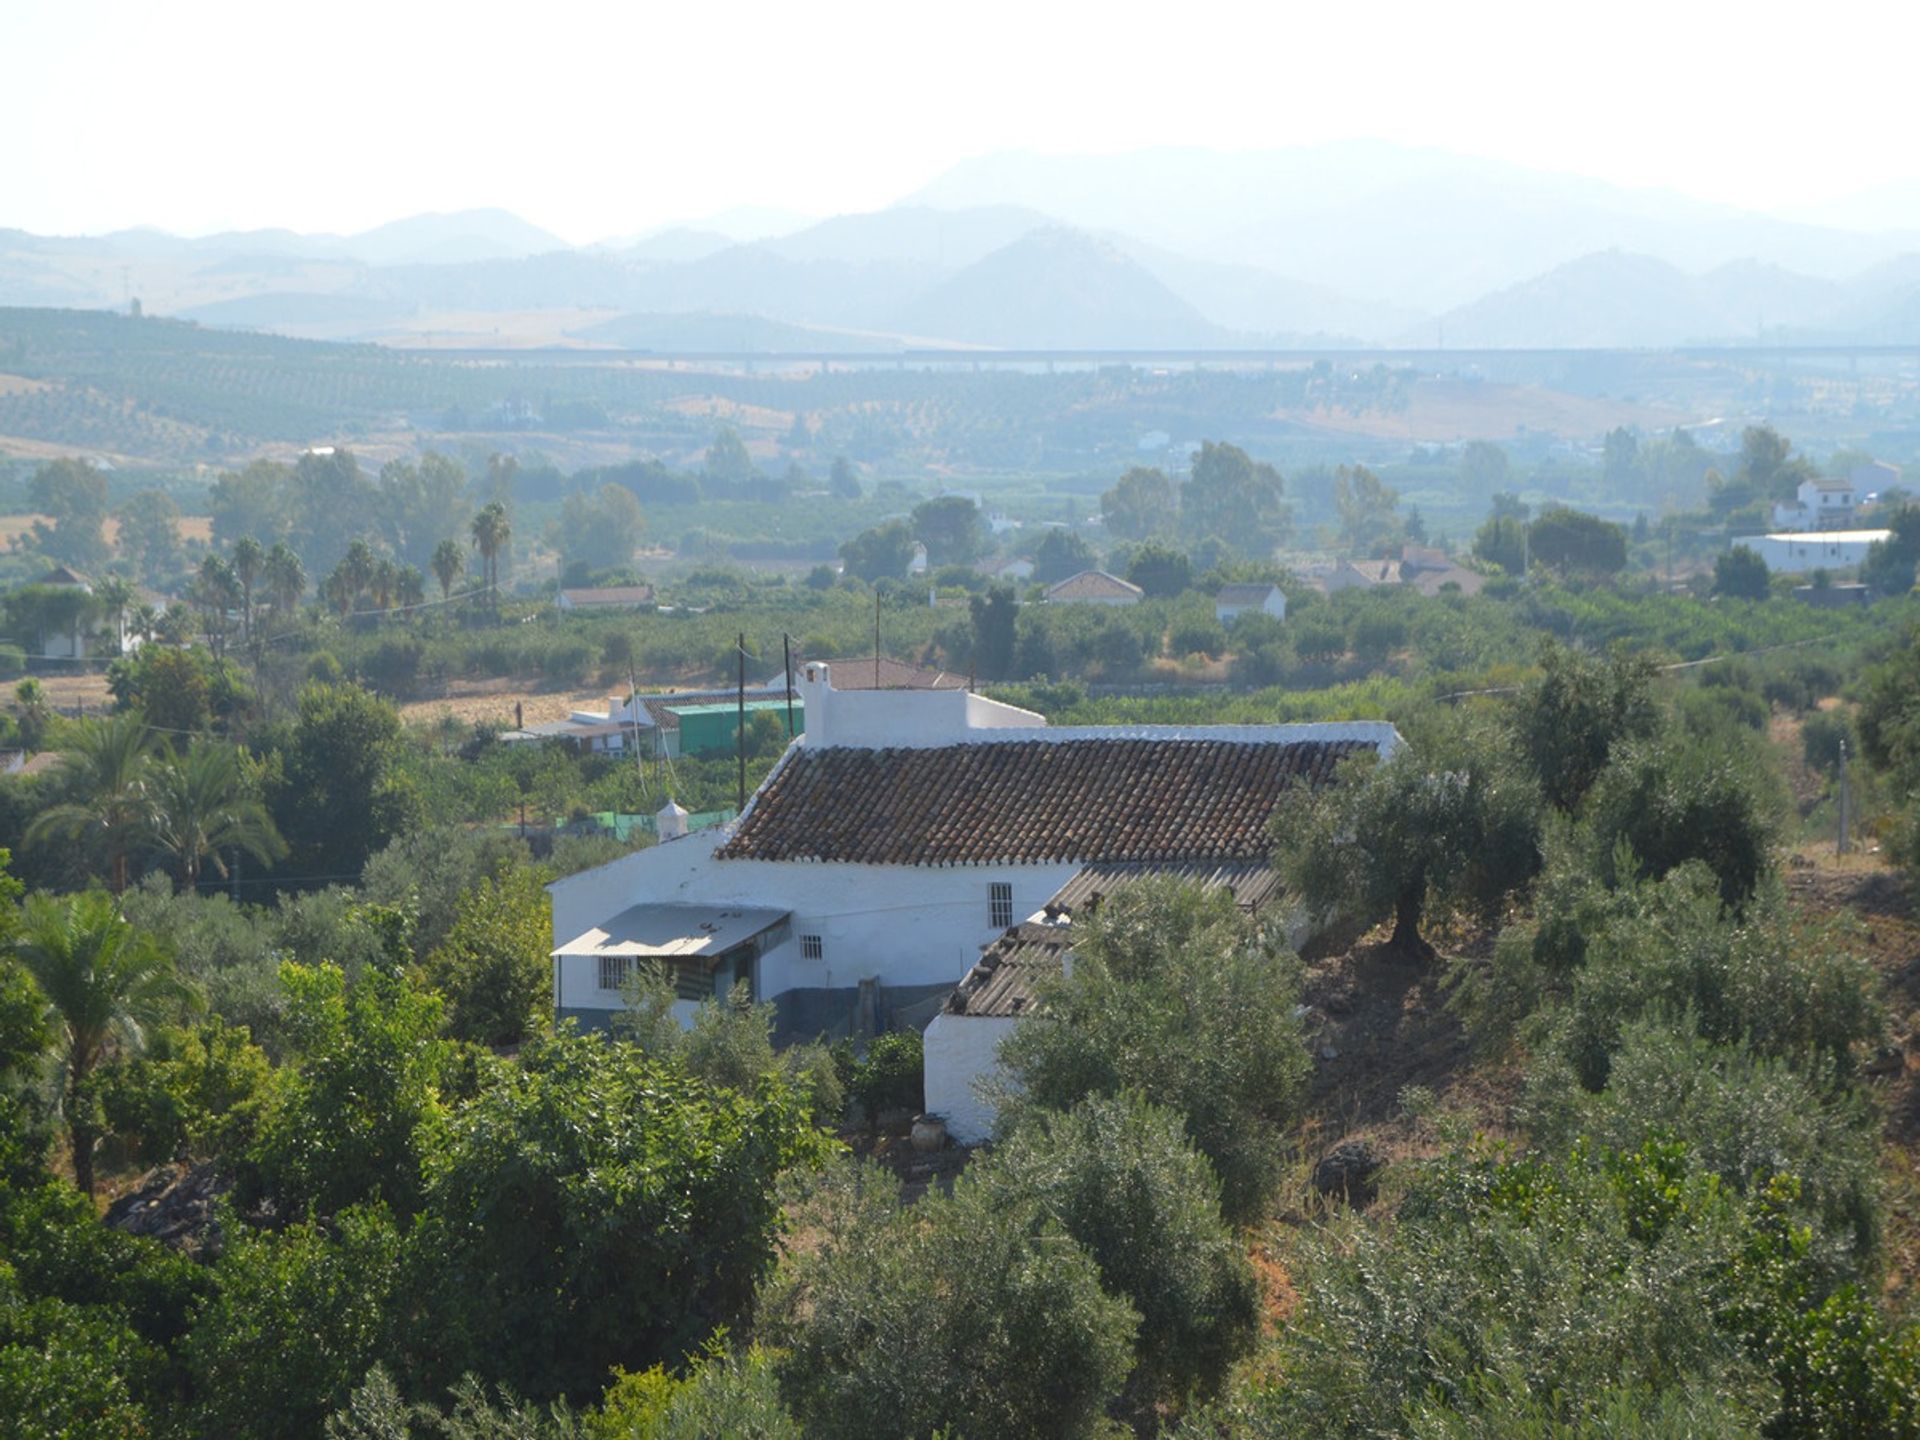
(740, 713)
(876, 639)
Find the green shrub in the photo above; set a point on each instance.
(960, 1316)
(892, 1074)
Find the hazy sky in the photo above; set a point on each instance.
(595, 119)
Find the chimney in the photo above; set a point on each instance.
(814, 687)
(670, 823)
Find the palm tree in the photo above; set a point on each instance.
(202, 802)
(448, 561)
(410, 588)
(104, 981)
(105, 761)
(116, 596)
(216, 590)
(286, 578)
(491, 532)
(384, 581)
(249, 560)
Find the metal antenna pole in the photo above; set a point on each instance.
(876, 639)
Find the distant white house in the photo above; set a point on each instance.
(918, 564)
(1094, 587)
(1015, 568)
(1824, 503)
(1233, 601)
(1797, 552)
(606, 597)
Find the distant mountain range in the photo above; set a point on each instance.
(1354, 243)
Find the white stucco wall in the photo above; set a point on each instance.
(961, 1050)
(899, 924)
(1813, 550)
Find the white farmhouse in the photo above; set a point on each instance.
(1233, 601)
(1803, 551)
(903, 832)
(1822, 503)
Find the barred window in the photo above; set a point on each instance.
(1000, 906)
(812, 947)
(613, 971)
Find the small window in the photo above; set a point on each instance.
(613, 972)
(812, 948)
(1000, 906)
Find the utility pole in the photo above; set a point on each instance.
(1842, 847)
(740, 714)
(786, 656)
(876, 639)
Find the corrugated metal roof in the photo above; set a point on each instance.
(1003, 984)
(1253, 883)
(671, 932)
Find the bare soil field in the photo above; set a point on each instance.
(475, 701)
(12, 527)
(1440, 411)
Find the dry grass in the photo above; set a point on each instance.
(1440, 411)
(14, 527)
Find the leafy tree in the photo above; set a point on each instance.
(1121, 1178)
(960, 1316)
(255, 501)
(449, 561)
(600, 532)
(344, 1122)
(1368, 508)
(167, 687)
(1741, 574)
(1768, 465)
(993, 617)
(104, 765)
(1568, 721)
(202, 800)
(882, 553)
(592, 1207)
(1890, 563)
(493, 966)
(1171, 995)
(196, 1090)
(73, 493)
(1674, 797)
(1449, 819)
(721, 1394)
(1502, 541)
(1060, 554)
(1621, 458)
(330, 503)
(1142, 504)
(1230, 498)
(1483, 467)
(1160, 570)
(951, 528)
(1576, 543)
(103, 981)
(33, 713)
(336, 798)
(422, 506)
(150, 535)
(297, 1319)
(728, 462)
(843, 482)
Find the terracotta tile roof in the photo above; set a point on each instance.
(1243, 594)
(857, 673)
(1030, 801)
(1094, 585)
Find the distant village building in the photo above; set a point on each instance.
(1800, 552)
(1233, 601)
(906, 830)
(1094, 587)
(1011, 568)
(607, 597)
(1421, 567)
(1821, 504)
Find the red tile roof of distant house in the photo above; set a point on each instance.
(1031, 801)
